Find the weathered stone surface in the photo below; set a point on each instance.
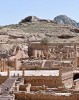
(75, 30)
(29, 19)
(63, 19)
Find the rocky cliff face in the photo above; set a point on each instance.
(63, 19)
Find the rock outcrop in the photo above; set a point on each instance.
(29, 19)
(63, 19)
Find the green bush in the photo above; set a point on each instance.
(44, 41)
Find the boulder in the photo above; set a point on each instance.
(63, 19)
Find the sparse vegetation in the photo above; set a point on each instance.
(44, 41)
(35, 29)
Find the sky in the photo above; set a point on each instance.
(13, 11)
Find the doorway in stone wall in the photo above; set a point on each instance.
(76, 76)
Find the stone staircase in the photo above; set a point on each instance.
(7, 85)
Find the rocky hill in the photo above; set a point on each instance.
(63, 19)
(61, 29)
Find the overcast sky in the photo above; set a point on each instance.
(12, 11)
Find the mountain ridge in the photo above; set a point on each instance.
(60, 19)
(33, 28)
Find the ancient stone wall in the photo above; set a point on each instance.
(12, 63)
(3, 65)
(62, 51)
(3, 79)
(37, 88)
(50, 81)
(40, 96)
(67, 79)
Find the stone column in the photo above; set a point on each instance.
(35, 53)
(67, 53)
(15, 63)
(23, 72)
(75, 58)
(75, 50)
(3, 65)
(42, 54)
(8, 72)
(60, 71)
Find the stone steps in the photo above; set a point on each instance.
(8, 85)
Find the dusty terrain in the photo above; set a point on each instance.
(34, 29)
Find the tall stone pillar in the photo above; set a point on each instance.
(60, 71)
(3, 65)
(75, 58)
(8, 72)
(68, 52)
(35, 53)
(15, 64)
(75, 49)
(23, 72)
